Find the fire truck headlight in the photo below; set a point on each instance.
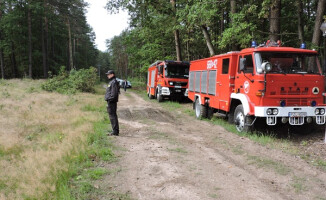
(269, 111)
(266, 66)
(275, 111)
(171, 83)
(322, 111)
(317, 111)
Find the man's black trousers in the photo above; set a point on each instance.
(112, 110)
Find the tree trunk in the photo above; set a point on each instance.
(13, 61)
(71, 62)
(300, 21)
(1, 52)
(12, 53)
(233, 5)
(2, 65)
(177, 45)
(176, 33)
(274, 26)
(319, 19)
(29, 19)
(222, 23)
(208, 40)
(45, 33)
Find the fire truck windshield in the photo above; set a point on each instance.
(289, 63)
(176, 71)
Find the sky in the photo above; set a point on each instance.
(105, 25)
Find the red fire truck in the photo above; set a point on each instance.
(281, 84)
(167, 79)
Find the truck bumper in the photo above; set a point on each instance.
(174, 92)
(293, 115)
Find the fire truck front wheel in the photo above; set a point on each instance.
(200, 110)
(240, 120)
(159, 96)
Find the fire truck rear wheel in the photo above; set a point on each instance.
(150, 96)
(200, 110)
(240, 120)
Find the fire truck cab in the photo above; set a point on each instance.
(167, 79)
(281, 84)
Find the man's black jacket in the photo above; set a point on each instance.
(112, 91)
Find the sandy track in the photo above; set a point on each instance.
(164, 155)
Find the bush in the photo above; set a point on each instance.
(82, 80)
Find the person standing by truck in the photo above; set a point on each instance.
(112, 97)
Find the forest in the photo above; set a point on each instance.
(193, 29)
(38, 37)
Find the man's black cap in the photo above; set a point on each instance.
(110, 72)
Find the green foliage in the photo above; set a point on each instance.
(239, 31)
(82, 80)
(152, 24)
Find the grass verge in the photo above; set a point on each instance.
(77, 182)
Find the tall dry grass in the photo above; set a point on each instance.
(37, 131)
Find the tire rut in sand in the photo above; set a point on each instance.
(141, 113)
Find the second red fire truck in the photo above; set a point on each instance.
(280, 84)
(167, 79)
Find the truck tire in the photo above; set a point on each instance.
(200, 110)
(241, 121)
(159, 97)
(150, 96)
(210, 112)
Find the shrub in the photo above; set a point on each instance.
(82, 80)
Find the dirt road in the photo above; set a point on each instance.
(169, 155)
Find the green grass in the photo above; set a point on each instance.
(119, 196)
(269, 164)
(92, 108)
(299, 184)
(320, 163)
(171, 105)
(179, 150)
(13, 151)
(238, 150)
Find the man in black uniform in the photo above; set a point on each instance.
(112, 97)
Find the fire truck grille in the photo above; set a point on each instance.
(297, 102)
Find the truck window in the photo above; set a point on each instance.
(249, 67)
(225, 67)
(290, 63)
(176, 71)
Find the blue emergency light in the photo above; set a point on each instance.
(303, 46)
(253, 44)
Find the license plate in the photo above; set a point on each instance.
(178, 90)
(297, 114)
(177, 86)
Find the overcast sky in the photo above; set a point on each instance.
(105, 26)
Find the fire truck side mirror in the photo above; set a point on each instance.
(242, 64)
